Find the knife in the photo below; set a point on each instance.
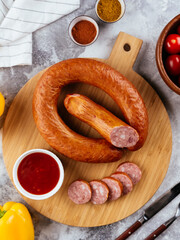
(149, 212)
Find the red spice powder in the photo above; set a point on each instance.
(84, 32)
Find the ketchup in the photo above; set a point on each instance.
(38, 173)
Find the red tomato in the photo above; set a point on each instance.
(178, 29)
(172, 43)
(172, 65)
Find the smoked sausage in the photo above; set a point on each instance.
(60, 136)
(132, 170)
(125, 180)
(100, 192)
(80, 192)
(115, 131)
(115, 188)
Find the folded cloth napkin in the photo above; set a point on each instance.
(19, 18)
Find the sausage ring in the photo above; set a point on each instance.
(60, 136)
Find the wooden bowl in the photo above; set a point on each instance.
(161, 55)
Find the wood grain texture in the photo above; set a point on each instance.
(20, 134)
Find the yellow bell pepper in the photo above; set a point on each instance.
(15, 222)
(2, 104)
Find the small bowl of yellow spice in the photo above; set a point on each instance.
(110, 11)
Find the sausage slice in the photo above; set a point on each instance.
(132, 170)
(100, 192)
(115, 187)
(80, 192)
(125, 180)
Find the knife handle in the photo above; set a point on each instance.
(131, 229)
(157, 232)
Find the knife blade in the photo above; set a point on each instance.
(154, 208)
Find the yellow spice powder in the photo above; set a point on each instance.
(109, 10)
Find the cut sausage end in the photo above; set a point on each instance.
(124, 136)
(100, 192)
(80, 192)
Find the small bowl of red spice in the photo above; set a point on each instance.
(110, 11)
(38, 174)
(83, 30)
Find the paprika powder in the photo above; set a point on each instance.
(84, 32)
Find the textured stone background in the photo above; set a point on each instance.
(144, 19)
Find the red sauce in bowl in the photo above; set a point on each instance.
(38, 173)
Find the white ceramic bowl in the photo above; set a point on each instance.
(78, 19)
(123, 8)
(34, 196)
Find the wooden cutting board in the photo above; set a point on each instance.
(20, 134)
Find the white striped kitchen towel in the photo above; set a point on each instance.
(19, 18)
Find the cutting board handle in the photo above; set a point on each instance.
(124, 52)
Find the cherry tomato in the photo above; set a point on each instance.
(172, 43)
(178, 29)
(172, 64)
